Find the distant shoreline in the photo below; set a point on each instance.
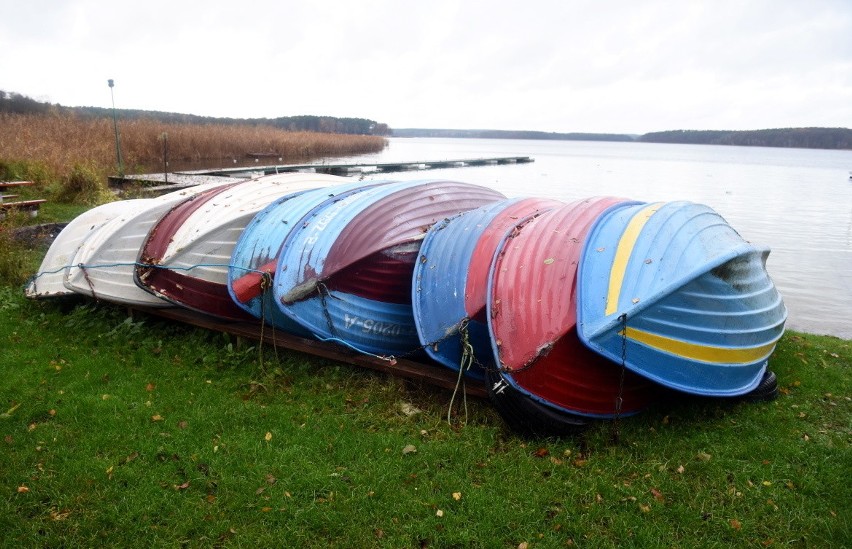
(800, 138)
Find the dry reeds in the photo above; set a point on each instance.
(59, 142)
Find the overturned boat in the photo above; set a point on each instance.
(677, 295)
(255, 256)
(103, 265)
(345, 275)
(451, 279)
(49, 280)
(186, 255)
(532, 304)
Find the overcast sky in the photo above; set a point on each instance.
(621, 66)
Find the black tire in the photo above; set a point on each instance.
(766, 390)
(528, 417)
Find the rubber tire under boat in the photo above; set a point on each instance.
(526, 416)
(765, 391)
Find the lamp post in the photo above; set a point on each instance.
(115, 126)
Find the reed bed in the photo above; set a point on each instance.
(53, 145)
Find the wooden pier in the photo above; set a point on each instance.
(156, 183)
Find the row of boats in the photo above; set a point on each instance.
(568, 311)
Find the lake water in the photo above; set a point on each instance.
(797, 201)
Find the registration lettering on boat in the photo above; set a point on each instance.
(371, 326)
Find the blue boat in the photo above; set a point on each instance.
(451, 279)
(345, 274)
(255, 255)
(674, 293)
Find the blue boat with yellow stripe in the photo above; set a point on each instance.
(674, 293)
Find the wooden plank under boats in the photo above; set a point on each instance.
(424, 372)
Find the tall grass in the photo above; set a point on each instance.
(48, 147)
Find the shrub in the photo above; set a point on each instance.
(85, 185)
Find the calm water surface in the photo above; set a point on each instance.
(797, 201)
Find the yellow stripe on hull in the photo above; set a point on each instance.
(701, 353)
(623, 252)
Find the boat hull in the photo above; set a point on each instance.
(532, 319)
(186, 256)
(451, 279)
(255, 256)
(48, 281)
(327, 268)
(675, 292)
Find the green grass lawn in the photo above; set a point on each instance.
(141, 432)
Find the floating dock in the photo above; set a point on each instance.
(162, 182)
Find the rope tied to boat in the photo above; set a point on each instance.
(88, 280)
(468, 358)
(265, 286)
(619, 399)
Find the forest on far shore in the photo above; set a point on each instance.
(805, 138)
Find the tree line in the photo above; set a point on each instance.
(11, 102)
(805, 138)
(512, 134)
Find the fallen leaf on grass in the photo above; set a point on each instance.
(268, 436)
(644, 508)
(541, 452)
(735, 524)
(657, 495)
(23, 489)
(702, 456)
(409, 449)
(156, 417)
(409, 409)
(183, 486)
(439, 513)
(150, 387)
(59, 515)
(456, 496)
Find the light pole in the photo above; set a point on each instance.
(115, 126)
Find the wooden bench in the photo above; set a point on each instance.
(30, 206)
(11, 185)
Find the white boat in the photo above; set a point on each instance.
(47, 282)
(186, 256)
(203, 223)
(102, 265)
